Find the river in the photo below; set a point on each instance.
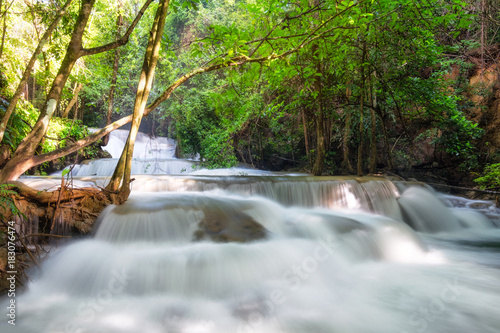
(251, 251)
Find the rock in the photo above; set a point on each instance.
(228, 226)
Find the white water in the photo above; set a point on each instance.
(146, 147)
(153, 156)
(337, 257)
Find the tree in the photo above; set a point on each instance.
(116, 60)
(22, 158)
(325, 65)
(231, 55)
(123, 169)
(73, 100)
(29, 67)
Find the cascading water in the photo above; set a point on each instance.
(278, 254)
(151, 156)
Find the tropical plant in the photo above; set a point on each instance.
(490, 178)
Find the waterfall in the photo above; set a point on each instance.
(106, 166)
(152, 155)
(272, 253)
(145, 147)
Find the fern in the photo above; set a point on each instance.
(7, 203)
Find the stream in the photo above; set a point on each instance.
(333, 255)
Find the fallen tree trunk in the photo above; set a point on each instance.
(45, 197)
(67, 211)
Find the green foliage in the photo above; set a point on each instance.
(458, 138)
(200, 124)
(490, 178)
(62, 132)
(7, 204)
(217, 150)
(184, 4)
(20, 124)
(387, 54)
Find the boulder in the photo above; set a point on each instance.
(222, 225)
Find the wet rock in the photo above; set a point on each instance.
(223, 226)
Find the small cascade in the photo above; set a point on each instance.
(145, 147)
(461, 206)
(424, 211)
(106, 166)
(371, 194)
(418, 206)
(152, 155)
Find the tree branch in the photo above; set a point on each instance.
(6, 9)
(122, 40)
(38, 159)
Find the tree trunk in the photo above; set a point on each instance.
(387, 145)
(73, 101)
(373, 137)
(29, 67)
(19, 161)
(79, 109)
(320, 132)
(3, 32)
(306, 136)
(361, 115)
(346, 163)
(143, 90)
(114, 76)
(373, 142)
(360, 146)
(116, 179)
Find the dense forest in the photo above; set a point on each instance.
(322, 86)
